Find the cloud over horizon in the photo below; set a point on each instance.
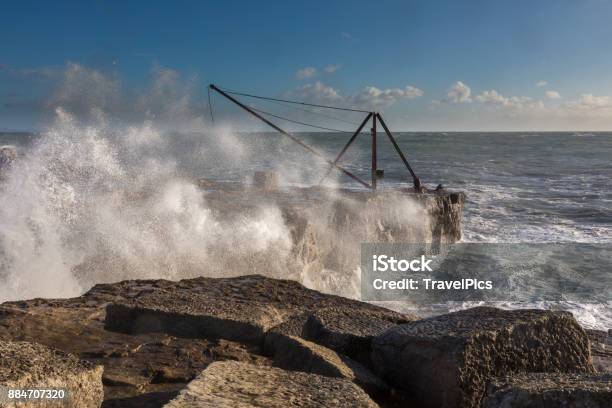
(169, 95)
(458, 93)
(370, 97)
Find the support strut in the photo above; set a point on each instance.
(374, 154)
(415, 179)
(346, 146)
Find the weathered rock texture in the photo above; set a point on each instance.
(29, 366)
(240, 309)
(349, 331)
(447, 360)
(159, 335)
(295, 353)
(601, 348)
(155, 337)
(550, 391)
(234, 384)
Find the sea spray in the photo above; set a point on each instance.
(109, 191)
(90, 204)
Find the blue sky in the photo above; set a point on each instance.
(428, 65)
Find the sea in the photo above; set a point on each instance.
(521, 187)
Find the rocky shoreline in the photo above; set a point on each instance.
(262, 342)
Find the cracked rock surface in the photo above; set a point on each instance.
(157, 339)
(539, 390)
(446, 361)
(232, 384)
(153, 337)
(26, 366)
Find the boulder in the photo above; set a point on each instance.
(601, 350)
(241, 308)
(542, 390)
(295, 353)
(293, 326)
(446, 361)
(26, 365)
(193, 315)
(144, 370)
(349, 330)
(232, 384)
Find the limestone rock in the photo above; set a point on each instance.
(241, 308)
(26, 365)
(144, 370)
(193, 315)
(542, 390)
(294, 353)
(232, 384)
(445, 361)
(601, 349)
(349, 330)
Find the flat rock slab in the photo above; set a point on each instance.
(445, 361)
(295, 353)
(238, 385)
(193, 315)
(541, 390)
(240, 309)
(349, 330)
(26, 365)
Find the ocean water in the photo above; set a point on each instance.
(521, 187)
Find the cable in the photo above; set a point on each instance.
(297, 122)
(294, 102)
(317, 113)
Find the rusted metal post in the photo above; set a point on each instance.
(374, 157)
(290, 136)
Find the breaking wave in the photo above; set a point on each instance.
(91, 204)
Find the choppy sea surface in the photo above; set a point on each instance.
(521, 187)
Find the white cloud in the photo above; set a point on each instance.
(330, 69)
(511, 105)
(586, 107)
(369, 97)
(307, 72)
(589, 105)
(541, 83)
(592, 101)
(346, 35)
(459, 92)
(318, 92)
(492, 97)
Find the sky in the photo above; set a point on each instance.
(426, 65)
